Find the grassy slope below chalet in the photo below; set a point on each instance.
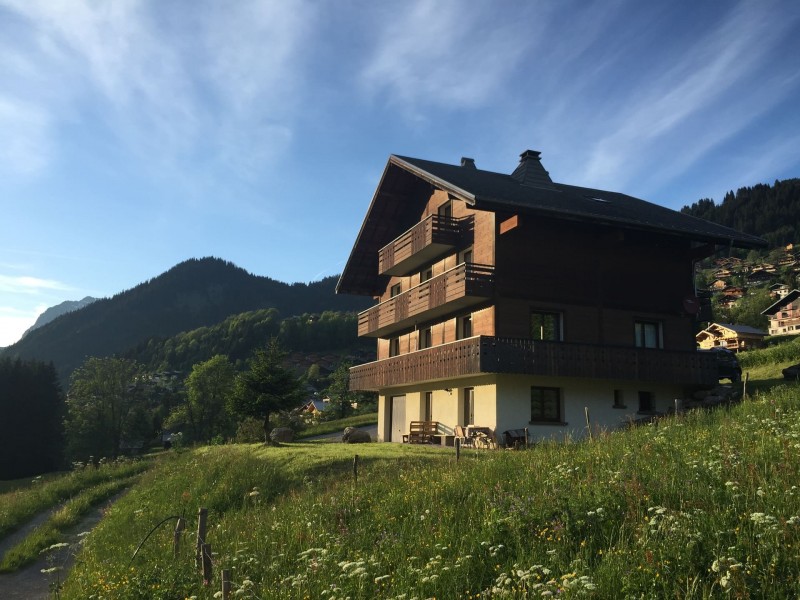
(700, 506)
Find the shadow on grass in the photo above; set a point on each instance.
(765, 385)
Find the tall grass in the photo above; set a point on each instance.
(19, 506)
(53, 529)
(702, 505)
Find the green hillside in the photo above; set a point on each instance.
(196, 293)
(327, 337)
(703, 505)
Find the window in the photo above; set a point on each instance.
(396, 289)
(466, 256)
(469, 406)
(648, 334)
(394, 346)
(446, 210)
(427, 407)
(619, 400)
(646, 402)
(424, 340)
(545, 405)
(464, 327)
(545, 326)
(426, 274)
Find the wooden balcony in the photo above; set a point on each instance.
(485, 354)
(462, 286)
(425, 241)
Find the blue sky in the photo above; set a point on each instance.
(137, 134)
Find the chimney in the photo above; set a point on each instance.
(467, 163)
(531, 172)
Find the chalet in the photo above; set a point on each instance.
(784, 315)
(314, 407)
(779, 290)
(732, 337)
(509, 301)
(760, 277)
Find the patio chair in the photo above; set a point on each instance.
(461, 435)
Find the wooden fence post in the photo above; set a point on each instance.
(206, 548)
(744, 386)
(226, 584)
(355, 470)
(588, 422)
(526, 438)
(176, 539)
(457, 444)
(202, 517)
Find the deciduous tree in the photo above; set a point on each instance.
(100, 403)
(208, 388)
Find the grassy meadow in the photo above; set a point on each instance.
(699, 506)
(702, 505)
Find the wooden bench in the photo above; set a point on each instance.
(422, 432)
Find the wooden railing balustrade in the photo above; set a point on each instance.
(463, 285)
(424, 241)
(488, 354)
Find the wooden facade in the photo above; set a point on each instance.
(508, 281)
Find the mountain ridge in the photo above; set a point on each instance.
(192, 294)
(56, 311)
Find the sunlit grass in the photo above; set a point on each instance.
(703, 505)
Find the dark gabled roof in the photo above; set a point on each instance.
(781, 302)
(528, 189)
(496, 191)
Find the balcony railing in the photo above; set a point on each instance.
(460, 287)
(422, 243)
(486, 354)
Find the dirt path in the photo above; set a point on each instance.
(30, 583)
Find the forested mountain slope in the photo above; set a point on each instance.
(769, 211)
(332, 334)
(193, 294)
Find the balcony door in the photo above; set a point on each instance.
(397, 414)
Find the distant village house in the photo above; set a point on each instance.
(732, 337)
(784, 315)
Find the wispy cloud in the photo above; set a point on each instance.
(442, 54)
(30, 285)
(217, 84)
(26, 146)
(700, 92)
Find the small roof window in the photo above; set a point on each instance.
(596, 199)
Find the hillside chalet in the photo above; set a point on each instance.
(784, 315)
(511, 301)
(732, 337)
